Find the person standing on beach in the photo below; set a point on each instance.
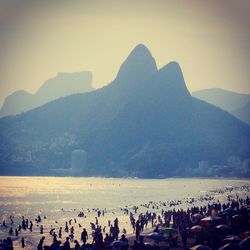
(84, 236)
(23, 244)
(40, 245)
(31, 226)
(11, 231)
(77, 245)
(137, 229)
(41, 229)
(125, 241)
(11, 220)
(60, 233)
(66, 245)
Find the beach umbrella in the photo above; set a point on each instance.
(196, 229)
(245, 234)
(197, 216)
(231, 239)
(168, 230)
(154, 236)
(230, 246)
(224, 214)
(211, 219)
(200, 247)
(223, 229)
(237, 218)
(149, 244)
(246, 207)
(245, 244)
(227, 212)
(86, 247)
(118, 243)
(230, 211)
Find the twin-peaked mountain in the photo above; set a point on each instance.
(145, 123)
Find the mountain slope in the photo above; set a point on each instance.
(243, 113)
(224, 99)
(142, 124)
(17, 102)
(62, 85)
(235, 103)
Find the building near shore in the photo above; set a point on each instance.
(78, 162)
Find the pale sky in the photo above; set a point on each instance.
(209, 38)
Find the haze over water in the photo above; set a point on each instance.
(69, 192)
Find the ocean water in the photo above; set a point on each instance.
(62, 198)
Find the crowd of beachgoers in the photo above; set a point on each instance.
(216, 224)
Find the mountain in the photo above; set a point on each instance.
(62, 85)
(235, 103)
(145, 123)
(243, 113)
(17, 102)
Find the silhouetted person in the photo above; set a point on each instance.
(60, 233)
(125, 241)
(11, 231)
(41, 229)
(107, 240)
(31, 226)
(23, 244)
(66, 245)
(54, 237)
(40, 244)
(66, 229)
(77, 245)
(11, 220)
(183, 233)
(84, 236)
(137, 230)
(156, 230)
(55, 245)
(9, 242)
(23, 224)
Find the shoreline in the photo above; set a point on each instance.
(129, 178)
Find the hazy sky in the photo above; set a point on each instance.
(209, 38)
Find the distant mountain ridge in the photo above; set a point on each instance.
(235, 103)
(62, 85)
(145, 123)
(243, 113)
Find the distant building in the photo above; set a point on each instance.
(246, 164)
(78, 161)
(29, 156)
(203, 165)
(234, 161)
